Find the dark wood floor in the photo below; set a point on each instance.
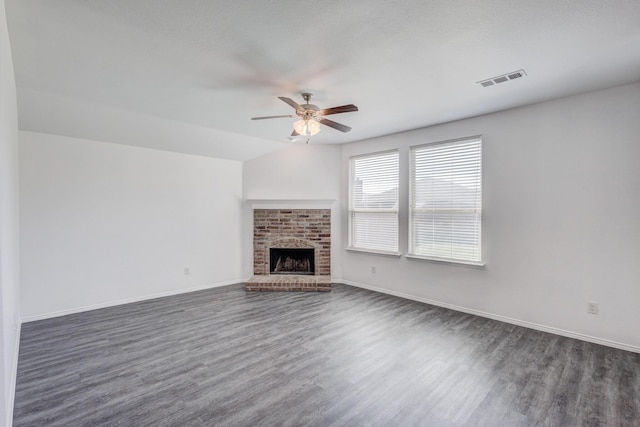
(350, 357)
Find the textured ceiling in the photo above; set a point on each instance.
(187, 75)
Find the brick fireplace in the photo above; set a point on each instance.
(289, 230)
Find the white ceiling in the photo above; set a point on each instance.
(187, 75)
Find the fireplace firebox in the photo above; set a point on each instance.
(298, 261)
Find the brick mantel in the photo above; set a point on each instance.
(291, 228)
(290, 203)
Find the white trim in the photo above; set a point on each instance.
(523, 323)
(446, 260)
(126, 301)
(448, 141)
(374, 153)
(14, 376)
(290, 203)
(375, 210)
(373, 252)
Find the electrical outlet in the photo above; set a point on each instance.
(373, 269)
(187, 271)
(592, 307)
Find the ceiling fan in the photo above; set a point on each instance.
(311, 117)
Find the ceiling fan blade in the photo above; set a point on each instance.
(294, 133)
(335, 125)
(293, 103)
(336, 110)
(270, 117)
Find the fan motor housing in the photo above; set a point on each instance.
(310, 111)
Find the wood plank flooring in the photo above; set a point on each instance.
(350, 357)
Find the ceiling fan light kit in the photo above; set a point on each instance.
(306, 127)
(311, 117)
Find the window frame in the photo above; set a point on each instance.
(412, 210)
(353, 210)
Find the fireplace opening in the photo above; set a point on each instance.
(292, 261)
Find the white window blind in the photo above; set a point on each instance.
(445, 209)
(373, 202)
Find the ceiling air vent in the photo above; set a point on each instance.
(502, 78)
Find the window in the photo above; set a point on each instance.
(373, 202)
(445, 208)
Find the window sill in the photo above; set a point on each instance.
(474, 264)
(374, 252)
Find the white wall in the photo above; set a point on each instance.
(104, 223)
(302, 172)
(9, 229)
(561, 218)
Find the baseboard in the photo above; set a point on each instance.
(523, 323)
(14, 376)
(75, 310)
